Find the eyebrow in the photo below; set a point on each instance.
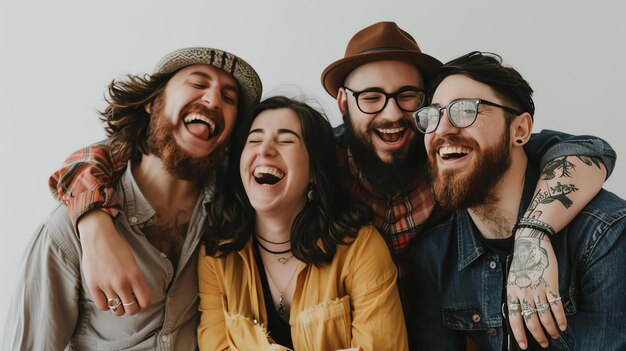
(280, 131)
(381, 90)
(208, 77)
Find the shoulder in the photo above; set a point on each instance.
(435, 242)
(55, 240)
(368, 240)
(606, 207)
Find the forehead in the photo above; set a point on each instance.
(385, 74)
(460, 86)
(275, 119)
(207, 72)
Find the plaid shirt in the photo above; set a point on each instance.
(85, 181)
(399, 217)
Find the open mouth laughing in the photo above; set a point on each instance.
(202, 122)
(390, 135)
(266, 175)
(453, 152)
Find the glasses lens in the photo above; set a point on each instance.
(463, 113)
(427, 119)
(410, 100)
(371, 101)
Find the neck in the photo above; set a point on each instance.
(272, 228)
(496, 217)
(163, 191)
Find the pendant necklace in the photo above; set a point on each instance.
(282, 259)
(282, 308)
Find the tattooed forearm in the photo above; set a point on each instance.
(529, 263)
(559, 192)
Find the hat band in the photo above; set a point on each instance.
(388, 48)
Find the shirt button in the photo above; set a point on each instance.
(492, 264)
(255, 321)
(493, 331)
(133, 219)
(476, 318)
(164, 338)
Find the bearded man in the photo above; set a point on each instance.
(174, 126)
(479, 120)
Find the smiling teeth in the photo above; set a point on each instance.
(198, 117)
(448, 150)
(390, 130)
(259, 171)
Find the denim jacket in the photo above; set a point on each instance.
(456, 284)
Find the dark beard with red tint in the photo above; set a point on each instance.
(453, 191)
(393, 176)
(177, 161)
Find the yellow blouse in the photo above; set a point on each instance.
(352, 301)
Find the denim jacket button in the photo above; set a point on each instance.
(493, 331)
(492, 264)
(476, 318)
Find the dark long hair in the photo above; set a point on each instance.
(125, 116)
(324, 222)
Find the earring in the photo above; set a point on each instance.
(310, 194)
(519, 141)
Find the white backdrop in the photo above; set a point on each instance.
(56, 57)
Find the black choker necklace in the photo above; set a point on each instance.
(272, 252)
(271, 242)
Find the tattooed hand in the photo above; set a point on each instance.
(534, 265)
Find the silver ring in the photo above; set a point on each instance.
(514, 307)
(553, 302)
(528, 312)
(542, 307)
(114, 303)
(128, 304)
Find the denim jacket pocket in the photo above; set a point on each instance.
(327, 324)
(468, 318)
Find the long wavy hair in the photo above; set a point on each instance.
(324, 223)
(126, 120)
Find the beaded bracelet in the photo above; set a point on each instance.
(535, 224)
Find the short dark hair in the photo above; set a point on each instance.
(324, 222)
(487, 68)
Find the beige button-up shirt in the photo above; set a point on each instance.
(53, 310)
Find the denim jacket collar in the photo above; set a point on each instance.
(469, 247)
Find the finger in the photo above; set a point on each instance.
(99, 298)
(545, 316)
(517, 325)
(116, 309)
(128, 302)
(143, 293)
(558, 311)
(532, 323)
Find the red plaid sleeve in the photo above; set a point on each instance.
(85, 181)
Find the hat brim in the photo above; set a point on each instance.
(334, 75)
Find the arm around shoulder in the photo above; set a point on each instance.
(85, 181)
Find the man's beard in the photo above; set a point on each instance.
(177, 161)
(391, 176)
(454, 191)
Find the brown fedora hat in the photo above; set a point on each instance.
(378, 42)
